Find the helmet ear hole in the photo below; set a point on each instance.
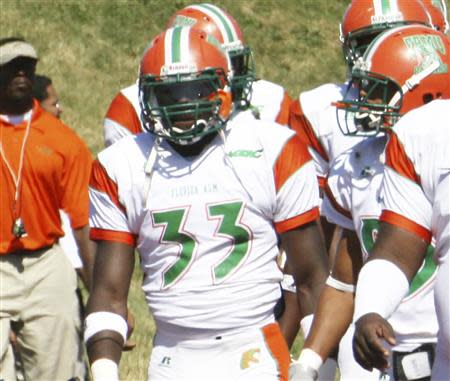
(428, 97)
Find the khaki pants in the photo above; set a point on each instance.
(37, 291)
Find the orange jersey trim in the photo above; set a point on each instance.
(301, 219)
(122, 112)
(398, 160)
(292, 157)
(111, 235)
(278, 349)
(322, 181)
(405, 223)
(300, 124)
(102, 182)
(334, 203)
(283, 114)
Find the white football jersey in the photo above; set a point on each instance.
(269, 102)
(206, 226)
(320, 128)
(123, 115)
(354, 202)
(416, 189)
(418, 166)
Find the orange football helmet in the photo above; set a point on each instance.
(224, 28)
(402, 69)
(183, 86)
(438, 12)
(364, 19)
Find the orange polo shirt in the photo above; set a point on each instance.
(55, 175)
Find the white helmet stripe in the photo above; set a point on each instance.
(168, 47)
(220, 19)
(184, 45)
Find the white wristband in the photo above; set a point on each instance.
(380, 289)
(338, 285)
(104, 321)
(288, 283)
(104, 370)
(310, 359)
(305, 324)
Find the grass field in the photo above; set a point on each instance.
(91, 49)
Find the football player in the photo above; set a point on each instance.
(415, 208)
(314, 115)
(260, 99)
(402, 69)
(203, 198)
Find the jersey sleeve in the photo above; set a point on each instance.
(404, 202)
(297, 191)
(120, 120)
(283, 115)
(75, 180)
(300, 124)
(108, 216)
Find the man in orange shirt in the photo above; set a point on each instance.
(44, 167)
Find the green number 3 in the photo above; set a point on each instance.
(369, 231)
(230, 228)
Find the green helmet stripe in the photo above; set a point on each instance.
(176, 44)
(222, 21)
(385, 7)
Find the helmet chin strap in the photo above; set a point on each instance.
(413, 81)
(200, 123)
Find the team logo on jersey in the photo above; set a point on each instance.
(427, 49)
(246, 153)
(250, 357)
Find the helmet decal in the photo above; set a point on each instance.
(221, 20)
(386, 11)
(426, 48)
(177, 52)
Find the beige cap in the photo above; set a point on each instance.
(14, 49)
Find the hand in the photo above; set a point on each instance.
(129, 344)
(300, 372)
(371, 331)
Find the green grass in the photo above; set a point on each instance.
(91, 49)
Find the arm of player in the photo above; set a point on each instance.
(335, 307)
(114, 264)
(289, 321)
(306, 256)
(86, 249)
(383, 282)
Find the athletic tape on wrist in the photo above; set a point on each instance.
(341, 286)
(309, 358)
(380, 289)
(104, 321)
(305, 324)
(288, 283)
(104, 370)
